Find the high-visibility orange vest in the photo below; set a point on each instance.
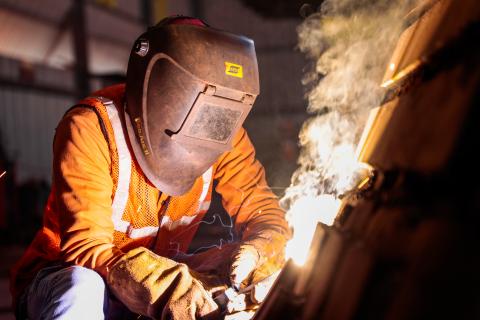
(135, 202)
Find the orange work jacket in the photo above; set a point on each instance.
(101, 205)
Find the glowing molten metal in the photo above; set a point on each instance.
(303, 218)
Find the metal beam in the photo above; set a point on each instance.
(197, 8)
(147, 9)
(4, 82)
(80, 45)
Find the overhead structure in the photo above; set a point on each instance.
(41, 33)
(284, 8)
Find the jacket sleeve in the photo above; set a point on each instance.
(248, 199)
(83, 184)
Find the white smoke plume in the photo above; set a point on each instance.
(350, 43)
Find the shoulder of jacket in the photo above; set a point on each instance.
(80, 113)
(116, 93)
(85, 115)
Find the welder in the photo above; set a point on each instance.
(134, 169)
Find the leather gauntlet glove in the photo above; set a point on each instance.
(158, 287)
(256, 260)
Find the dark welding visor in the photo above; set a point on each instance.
(212, 122)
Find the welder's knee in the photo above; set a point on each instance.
(69, 293)
(86, 279)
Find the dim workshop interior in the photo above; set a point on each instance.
(239, 159)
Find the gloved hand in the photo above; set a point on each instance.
(256, 260)
(158, 287)
(244, 262)
(247, 299)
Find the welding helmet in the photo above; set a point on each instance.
(189, 88)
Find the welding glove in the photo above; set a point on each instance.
(256, 260)
(159, 288)
(244, 262)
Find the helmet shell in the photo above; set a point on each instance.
(188, 91)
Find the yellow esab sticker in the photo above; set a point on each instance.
(233, 69)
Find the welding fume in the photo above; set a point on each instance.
(395, 95)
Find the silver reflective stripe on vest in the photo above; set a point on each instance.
(203, 205)
(170, 225)
(207, 180)
(124, 167)
(142, 232)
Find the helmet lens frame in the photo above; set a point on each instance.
(212, 122)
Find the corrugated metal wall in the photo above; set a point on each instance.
(33, 94)
(28, 117)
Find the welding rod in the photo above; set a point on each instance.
(265, 280)
(231, 294)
